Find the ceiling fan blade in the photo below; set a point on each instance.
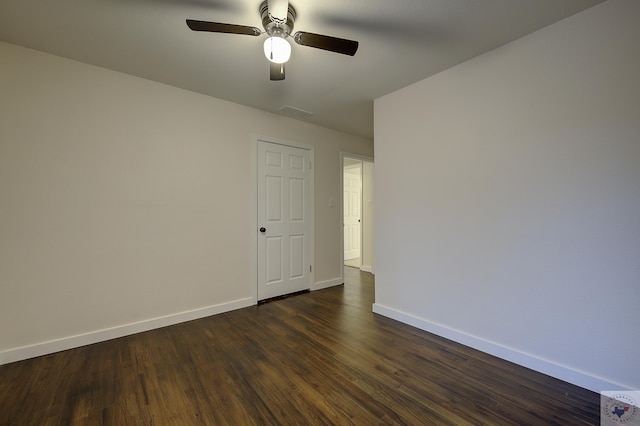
(278, 9)
(217, 27)
(276, 71)
(332, 44)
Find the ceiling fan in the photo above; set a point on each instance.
(278, 17)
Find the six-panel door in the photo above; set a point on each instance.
(283, 220)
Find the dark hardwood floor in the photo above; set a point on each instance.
(316, 358)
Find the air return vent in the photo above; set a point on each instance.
(295, 112)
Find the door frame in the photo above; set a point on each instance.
(363, 158)
(253, 225)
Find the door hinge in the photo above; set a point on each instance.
(310, 165)
(310, 268)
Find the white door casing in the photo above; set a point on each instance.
(352, 203)
(284, 219)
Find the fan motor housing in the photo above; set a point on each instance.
(275, 26)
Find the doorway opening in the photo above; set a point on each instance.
(357, 208)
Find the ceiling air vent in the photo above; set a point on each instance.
(295, 112)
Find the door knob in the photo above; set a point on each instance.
(263, 229)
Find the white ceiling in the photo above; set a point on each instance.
(401, 42)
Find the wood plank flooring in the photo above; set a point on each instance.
(316, 358)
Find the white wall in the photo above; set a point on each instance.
(508, 200)
(126, 204)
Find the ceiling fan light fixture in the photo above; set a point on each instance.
(277, 49)
(278, 18)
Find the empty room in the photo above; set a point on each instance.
(172, 212)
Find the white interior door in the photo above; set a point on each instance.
(352, 211)
(284, 211)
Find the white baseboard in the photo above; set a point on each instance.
(49, 347)
(550, 368)
(366, 268)
(328, 283)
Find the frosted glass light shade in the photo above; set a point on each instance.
(277, 50)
